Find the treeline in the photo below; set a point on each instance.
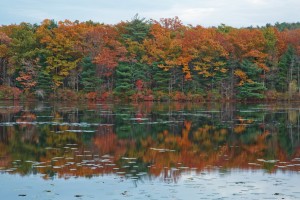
(149, 60)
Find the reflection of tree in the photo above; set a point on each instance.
(107, 142)
(160, 139)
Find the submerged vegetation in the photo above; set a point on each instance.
(146, 60)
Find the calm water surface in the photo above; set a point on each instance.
(149, 151)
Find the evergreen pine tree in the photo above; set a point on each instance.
(285, 66)
(253, 89)
(137, 29)
(160, 79)
(124, 83)
(44, 85)
(89, 80)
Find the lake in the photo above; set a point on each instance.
(55, 150)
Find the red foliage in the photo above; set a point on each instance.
(104, 96)
(65, 94)
(149, 98)
(7, 92)
(179, 96)
(91, 96)
(292, 37)
(139, 85)
(107, 51)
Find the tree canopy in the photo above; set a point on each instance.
(151, 60)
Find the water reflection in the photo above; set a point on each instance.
(147, 140)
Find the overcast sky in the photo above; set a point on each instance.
(237, 13)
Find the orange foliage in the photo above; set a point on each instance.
(7, 92)
(239, 129)
(165, 46)
(91, 96)
(292, 37)
(107, 51)
(202, 49)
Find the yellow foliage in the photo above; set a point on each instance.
(239, 129)
(223, 70)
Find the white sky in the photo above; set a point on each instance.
(237, 13)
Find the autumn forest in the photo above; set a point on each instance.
(148, 60)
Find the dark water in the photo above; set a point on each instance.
(149, 151)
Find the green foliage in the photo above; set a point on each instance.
(282, 26)
(271, 40)
(287, 26)
(137, 29)
(24, 56)
(252, 88)
(89, 79)
(251, 91)
(129, 76)
(285, 65)
(44, 85)
(160, 79)
(252, 70)
(23, 44)
(124, 80)
(224, 29)
(145, 60)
